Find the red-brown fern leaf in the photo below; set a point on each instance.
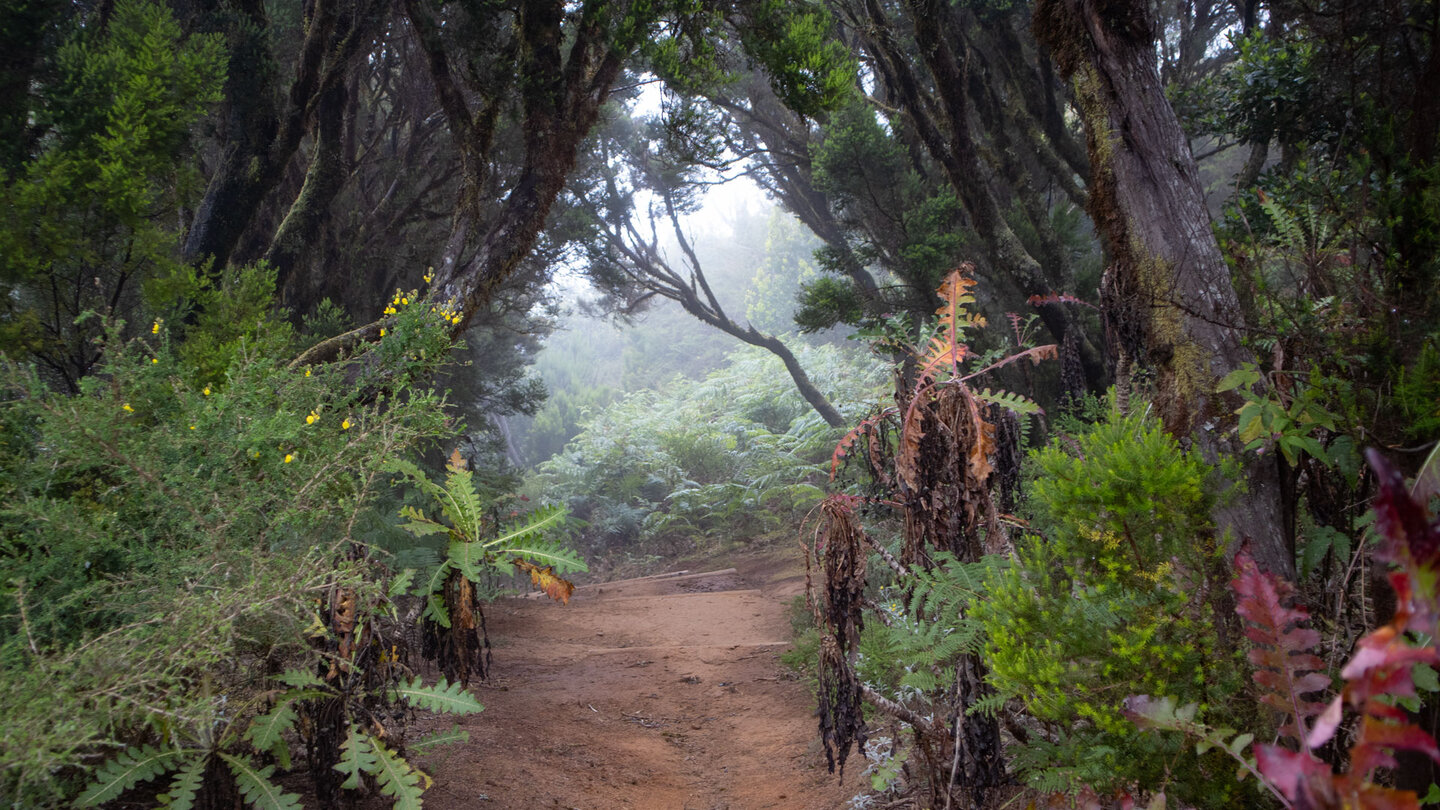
(1285, 668)
(843, 447)
(1057, 298)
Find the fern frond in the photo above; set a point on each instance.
(184, 787)
(256, 786)
(1016, 403)
(467, 557)
(537, 524)
(446, 698)
(419, 525)
(299, 678)
(397, 778)
(454, 736)
(400, 583)
(357, 756)
(125, 771)
(461, 504)
(267, 732)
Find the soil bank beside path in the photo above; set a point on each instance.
(662, 693)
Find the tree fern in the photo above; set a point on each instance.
(256, 786)
(133, 766)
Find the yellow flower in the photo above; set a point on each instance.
(429, 277)
(310, 420)
(255, 454)
(206, 392)
(382, 331)
(155, 327)
(307, 371)
(289, 458)
(192, 427)
(405, 301)
(345, 425)
(126, 408)
(154, 360)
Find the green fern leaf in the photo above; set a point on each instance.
(538, 523)
(419, 525)
(299, 678)
(357, 756)
(443, 697)
(257, 788)
(469, 558)
(1013, 402)
(132, 767)
(185, 786)
(461, 504)
(452, 737)
(267, 732)
(397, 778)
(400, 583)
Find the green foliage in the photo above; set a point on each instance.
(80, 227)
(733, 456)
(163, 534)
(1111, 597)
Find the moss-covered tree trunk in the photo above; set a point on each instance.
(1167, 293)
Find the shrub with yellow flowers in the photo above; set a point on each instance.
(166, 533)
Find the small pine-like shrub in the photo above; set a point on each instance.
(1110, 596)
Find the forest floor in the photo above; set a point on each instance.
(659, 693)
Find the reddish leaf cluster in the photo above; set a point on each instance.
(1379, 671)
(1285, 669)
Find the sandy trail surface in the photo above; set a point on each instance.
(657, 693)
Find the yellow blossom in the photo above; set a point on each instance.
(192, 427)
(307, 371)
(126, 408)
(382, 331)
(405, 301)
(289, 458)
(310, 420)
(154, 360)
(206, 392)
(345, 425)
(155, 327)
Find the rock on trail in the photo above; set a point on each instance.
(659, 693)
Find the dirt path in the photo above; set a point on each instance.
(663, 694)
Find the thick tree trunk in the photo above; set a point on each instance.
(1168, 291)
(305, 220)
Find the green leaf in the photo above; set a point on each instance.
(257, 788)
(454, 736)
(397, 778)
(1425, 678)
(356, 756)
(451, 698)
(419, 525)
(299, 678)
(1238, 744)
(400, 583)
(185, 786)
(1244, 376)
(267, 732)
(468, 557)
(132, 767)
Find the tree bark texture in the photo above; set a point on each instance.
(1167, 294)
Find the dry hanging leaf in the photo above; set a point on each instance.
(545, 579)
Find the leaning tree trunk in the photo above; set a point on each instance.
(1168, 293)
